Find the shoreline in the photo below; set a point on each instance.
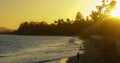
(98, 51)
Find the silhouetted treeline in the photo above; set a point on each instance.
(6, 32)
(99, 22)
(59, 27)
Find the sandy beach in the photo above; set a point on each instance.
(97, 53)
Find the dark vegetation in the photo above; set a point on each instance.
(99, 22)
(59, 27)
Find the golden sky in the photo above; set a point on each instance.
(13, 12)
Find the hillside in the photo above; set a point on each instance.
(5, 30)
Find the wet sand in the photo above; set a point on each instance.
(85, 59)
(97, 51)
(64, 60)
(82, 59)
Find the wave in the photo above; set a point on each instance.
(38, 49)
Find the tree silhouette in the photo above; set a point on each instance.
(99, 22)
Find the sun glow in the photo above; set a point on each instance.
(116, 11)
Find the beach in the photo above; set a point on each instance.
(97, 51)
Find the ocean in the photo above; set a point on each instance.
(37, 49)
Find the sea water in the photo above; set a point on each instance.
(37, 49)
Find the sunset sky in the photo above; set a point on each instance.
(13, 12)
